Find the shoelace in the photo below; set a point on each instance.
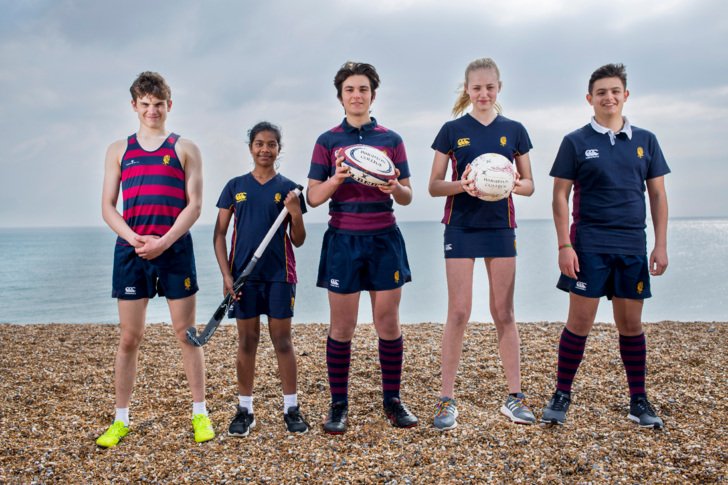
(296, 416)
(646, 406)
(559, 402)
(400, 410)
(337, 412)
(442, 407)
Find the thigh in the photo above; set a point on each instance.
(132, 314)
(501, 282)
(182, 312)
(628, 315)
(459, 273)
(344, 310)
(582, 311)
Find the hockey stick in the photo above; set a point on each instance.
(222, 309)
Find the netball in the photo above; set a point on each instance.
(369, 165)
(494, 176)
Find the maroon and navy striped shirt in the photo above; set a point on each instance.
(152, 186)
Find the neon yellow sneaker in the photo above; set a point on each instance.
(113, 435)
(203, 428)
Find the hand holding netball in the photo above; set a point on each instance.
(493, 177)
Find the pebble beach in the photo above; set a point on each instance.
(57, 396)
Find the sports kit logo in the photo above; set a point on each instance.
(640, 152)
(503, 141)
(448, 247)
(188, 284)
(640, 287)
(130, 290)
(334, 283)
(132, 162)
(293, 302)
(581, 285)
(591, 153)
(277, 198)
(463, 142)
(396, 276)
(165, 160)
(241, 197)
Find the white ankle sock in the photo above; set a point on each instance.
(122, 414)
(289, 401)
(199, 408)
(246, 402)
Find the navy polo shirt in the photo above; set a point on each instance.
(609, 172)
(354, 206)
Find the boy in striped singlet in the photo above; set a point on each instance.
(161, 185)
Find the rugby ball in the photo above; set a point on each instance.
(369, 165)
(494, 176)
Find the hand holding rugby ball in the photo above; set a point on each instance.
(494, 176)
(368, 165)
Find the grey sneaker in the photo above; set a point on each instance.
(517, 411)
(555, 412)
(446, 411)
(642, 412)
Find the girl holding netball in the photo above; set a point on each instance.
(255, 200)
(476, 229)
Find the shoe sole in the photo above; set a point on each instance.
(243, 435)
(446, 428)
(333, 432)
(402, 427)
(637, 420)
(552, 422)
(298, 432)
(507, 412)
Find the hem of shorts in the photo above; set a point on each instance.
(339, 291)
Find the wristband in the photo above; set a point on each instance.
(564, 246)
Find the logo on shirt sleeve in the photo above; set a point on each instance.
(591, 153)
(241, 197)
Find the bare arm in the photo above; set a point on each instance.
(568, 261)
(220, 244)
(319, 192)
(298, 230)
(524, 180)
(191, 160)
(110, 194)
(438, 186)
(658, 209)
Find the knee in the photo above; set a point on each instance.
(503, 317)
(130, 340)
(248, 342)
(459, 316)
(283, 344)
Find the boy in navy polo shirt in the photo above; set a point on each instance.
(609, 163)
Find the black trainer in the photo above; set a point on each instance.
(555, 410)
(294, 420)
(399, 415)
(337, 418)
(242, 423)
(642, 413)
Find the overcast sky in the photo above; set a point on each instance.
(66, 66)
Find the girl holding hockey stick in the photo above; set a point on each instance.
(255, 200)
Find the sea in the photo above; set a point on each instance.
(63, 275)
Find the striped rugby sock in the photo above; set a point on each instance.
(390, 359)
(571, 353)
(633, 350)
(338, 360)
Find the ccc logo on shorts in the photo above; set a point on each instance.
(640, 287)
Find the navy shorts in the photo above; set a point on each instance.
(620, 275)
(466, 242)
(273, 298)
(171, 274)
(353, 262)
